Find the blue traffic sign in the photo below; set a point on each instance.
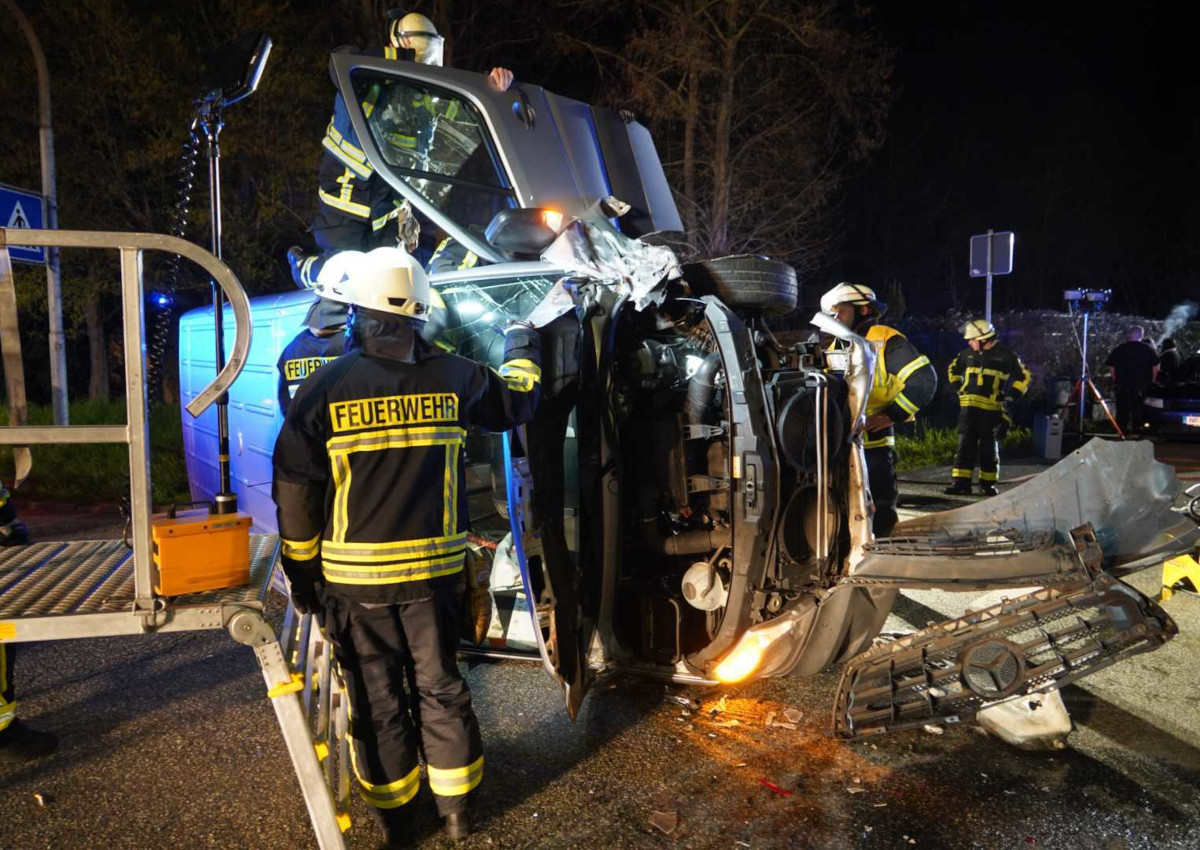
(21, 208)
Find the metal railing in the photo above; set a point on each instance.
(135, 433)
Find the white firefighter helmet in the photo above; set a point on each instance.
(850, 293)
(389, 280)
(333, 281)
(416, 32)
(980, 329)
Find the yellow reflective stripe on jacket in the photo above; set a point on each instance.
(907, 371)
(457, 781)
(368, 552)
(349, 155)
(522, 375)
(907, 406)
(420, 570)
(880, 442)
(1022, 383)
(340, 449)
(979, 401)
(299, 550)
(356, 210)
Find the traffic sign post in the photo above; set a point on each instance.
(20, 208)
(991, 254)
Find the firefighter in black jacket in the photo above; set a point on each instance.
(986, 376)
(357, 208)
(370, 487)
(904, 382)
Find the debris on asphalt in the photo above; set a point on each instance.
(770, 719)
(855, 789)
(686, 700)
(742, 764)
(719, 708)
(791, 726)
(712, 734)
(741, 844)
(881, 805)
(933, 730)
(937, 693)
(665, 822)
(783, 792)
(727, 724)
(793, 715)
(41, 799)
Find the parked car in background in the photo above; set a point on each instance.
(1172, 409)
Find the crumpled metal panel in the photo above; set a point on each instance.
(1118, 487)
(592, 247)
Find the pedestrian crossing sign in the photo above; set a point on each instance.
(21, 209)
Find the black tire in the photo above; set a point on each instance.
(747, 283)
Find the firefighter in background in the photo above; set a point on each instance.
(987, 375)
(904, 382)
(381, 430)
(357, 209)
(19, 743)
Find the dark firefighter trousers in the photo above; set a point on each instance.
(977, 444)
(881, 477)
(373, 645)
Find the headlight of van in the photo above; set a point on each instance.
(1151, 401)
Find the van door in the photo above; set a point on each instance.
(450, 144)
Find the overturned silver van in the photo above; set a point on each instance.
(690, 502)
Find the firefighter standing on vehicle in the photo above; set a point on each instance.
(904, 382)
(372, 509)
(987, 375)
(357, 209)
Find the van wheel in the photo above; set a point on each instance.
(746, 283)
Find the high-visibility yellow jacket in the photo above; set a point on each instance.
(904, 382)
(369, 481)
(985, 379)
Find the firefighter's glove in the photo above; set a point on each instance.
(521, 340)
(306, 592)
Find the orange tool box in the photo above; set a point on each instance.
(200, 552)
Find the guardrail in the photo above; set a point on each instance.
(135, 433)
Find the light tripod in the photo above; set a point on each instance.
(1086, 301)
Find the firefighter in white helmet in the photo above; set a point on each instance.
(986, 376)
(904, 382)
(372, 511)
(356, 208)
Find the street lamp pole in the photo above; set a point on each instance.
(58, 354)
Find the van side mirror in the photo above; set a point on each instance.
(523, 234)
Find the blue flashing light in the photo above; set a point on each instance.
(160, 299)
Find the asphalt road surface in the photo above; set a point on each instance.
(170, 741)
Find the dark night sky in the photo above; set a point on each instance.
(1072, 127)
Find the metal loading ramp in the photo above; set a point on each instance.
(103, 588)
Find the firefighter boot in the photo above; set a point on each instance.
(296, 258)
(398, 827)
(20, 743)
(457, 825)
(988, 488)
(14, 534)
(960, 487)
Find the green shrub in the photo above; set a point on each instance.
(97, 473)
(936, 446)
